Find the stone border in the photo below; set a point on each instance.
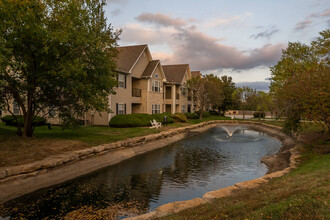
(289, 145)
(19, 180)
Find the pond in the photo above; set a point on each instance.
(182, 171)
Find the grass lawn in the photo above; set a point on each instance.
(301, 194)
(18, 150)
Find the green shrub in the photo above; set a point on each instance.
(206, 114)
(192, 115)
(180, 117)
(12, 121)
(160, 117)
(137, 120)
(259, 114)
(213, 112)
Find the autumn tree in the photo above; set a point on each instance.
(55, 54)
(301, 82)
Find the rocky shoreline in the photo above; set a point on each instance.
(19, 180)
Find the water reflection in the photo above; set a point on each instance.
(182, 171)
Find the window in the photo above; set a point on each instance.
(183, 108)
(155, 109)
(155, 86)
(121, 81)
(52, 112)
(16, 108)
(183, 91)
(156, 75)
(121, 109)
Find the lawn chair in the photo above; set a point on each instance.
(155, 124)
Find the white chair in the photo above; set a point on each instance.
(155, 124)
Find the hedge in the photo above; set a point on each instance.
(137, 120)
(12, 121)
(180, 117)
(259, 115)
(192, 115)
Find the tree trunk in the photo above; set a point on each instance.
(28, 125)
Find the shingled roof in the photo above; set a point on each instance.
(150, 68)
(175, 73)
(196, 74)
(127, 57)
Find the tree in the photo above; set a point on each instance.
(246, 99)
(214, 91)
(228, 88)
(200, 96)
(56, 54)
(301, 82)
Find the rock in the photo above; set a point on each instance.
(31, 167)
(84, 152)
(149, 215)
(175, 207)
(219, 193)
(251, 183)
(273, 175)
(3, 174)
(52, 162)
(99, 148)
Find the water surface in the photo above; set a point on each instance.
(182, 171)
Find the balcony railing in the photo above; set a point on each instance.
(177, 95)
(136, 92)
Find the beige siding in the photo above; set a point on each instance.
(141, 64)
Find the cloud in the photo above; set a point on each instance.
(136, 33)
(310, 19)
(265, 34)
(116, 12)
(303, 25)
(190, 45)
(258, 85)
(204, 52)
(161, 19)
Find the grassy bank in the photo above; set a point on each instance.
(301, 194)
(18, 150)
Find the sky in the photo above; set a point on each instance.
(237, 38)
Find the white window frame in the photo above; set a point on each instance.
(155, 86)
(155, 108)
(121, 109)
(183, 108)
(121, 80)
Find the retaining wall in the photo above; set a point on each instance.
(19, 180)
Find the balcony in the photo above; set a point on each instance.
(136, 92)
(177, 96)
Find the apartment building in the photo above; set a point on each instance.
(144, 86)
(140, 85)
(177, 97)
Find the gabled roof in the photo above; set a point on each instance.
(128, 56)
(175, 73)
(152, 65)
(196, 74)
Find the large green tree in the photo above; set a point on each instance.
(301, 82)
(214, 90)
(228, 89)
(55, 54)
